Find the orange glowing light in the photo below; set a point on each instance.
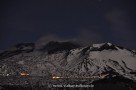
(24, 74)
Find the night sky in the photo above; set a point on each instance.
(88, 21)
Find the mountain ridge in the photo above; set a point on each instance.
(70, 61)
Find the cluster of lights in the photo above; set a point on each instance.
(101, 76)
(56, 77)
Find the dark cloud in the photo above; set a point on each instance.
(83, 37)
(42, 41)
(88, 36)
(120, 27)
(119, 23)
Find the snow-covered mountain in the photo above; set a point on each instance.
(69, 60)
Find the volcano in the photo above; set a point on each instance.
(68, 63)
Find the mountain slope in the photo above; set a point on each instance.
(68, 60)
